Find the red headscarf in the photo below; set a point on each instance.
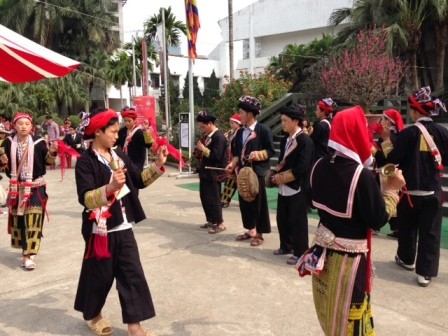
(99, 120)
(129, 114)
(326, 105)
(20, 115)
(395, 118)
(236, 118)
(349, 135)
(422, 101)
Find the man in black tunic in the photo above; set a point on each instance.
(421, 151)
(253, 148)
(213, 146)
(107, 182)
(292, 177)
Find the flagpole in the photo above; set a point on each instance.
(165, 79)
(191, 108)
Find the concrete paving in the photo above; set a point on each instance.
(202, 284)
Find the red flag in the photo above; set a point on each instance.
(193, 26)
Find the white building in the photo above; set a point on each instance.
(260, 31)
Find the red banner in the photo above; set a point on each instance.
(145, 106)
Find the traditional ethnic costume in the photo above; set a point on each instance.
(230, 185)
(349, 204)
(321, 129)
(111, 251)
(396, 120)
(214, 155)
(73, 141)
(421, 151)
(134, 142)
(293, 170)
(254, 138)
(27, 197)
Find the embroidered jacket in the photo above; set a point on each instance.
(260, 141)
(92, 176)
(136, 148)
(299, 160)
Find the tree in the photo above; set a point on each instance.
(197, 96)
(264, 86)
(119, 71)
(364, 74)
(402, 20)
(173, 27)
(292, 63)
(152, 57)
(211, 91)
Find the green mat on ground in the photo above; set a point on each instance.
(272, 203)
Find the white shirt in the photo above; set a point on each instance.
(283, 189)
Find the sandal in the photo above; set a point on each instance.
(28, 264)
(257, 241)
(281, 251)
(244, 236)
(217, 229)
(207, 225)
(101, 327)
(292, 260)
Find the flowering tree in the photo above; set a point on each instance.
(366, 73)
(264, 87)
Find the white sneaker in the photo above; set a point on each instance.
(409, 267)
(423, 281)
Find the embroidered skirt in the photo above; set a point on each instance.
(26, 230)
(340, 298)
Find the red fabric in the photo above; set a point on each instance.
(350, 136)
(236, 118)
(28, 61)
(129, 114)
(65, 152)
(325, 108)
(395, 117)
(99, 121)
(20, 115)
(159, 141)
(421, 107)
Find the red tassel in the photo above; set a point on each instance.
(101, 248)
(440, 167)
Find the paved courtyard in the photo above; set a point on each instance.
(202, 284)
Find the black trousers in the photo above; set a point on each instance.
(210, 194)
(255, 214)
(292, 222)
(97, 277)
(422, 222)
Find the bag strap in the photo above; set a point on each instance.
(434, 150)
(22, 162)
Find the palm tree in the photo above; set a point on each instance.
(293, 62)
(119, 71)
(173, 27)
(152, 55)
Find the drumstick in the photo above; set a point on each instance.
(214, 168)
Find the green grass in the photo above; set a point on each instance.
(272, 204)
